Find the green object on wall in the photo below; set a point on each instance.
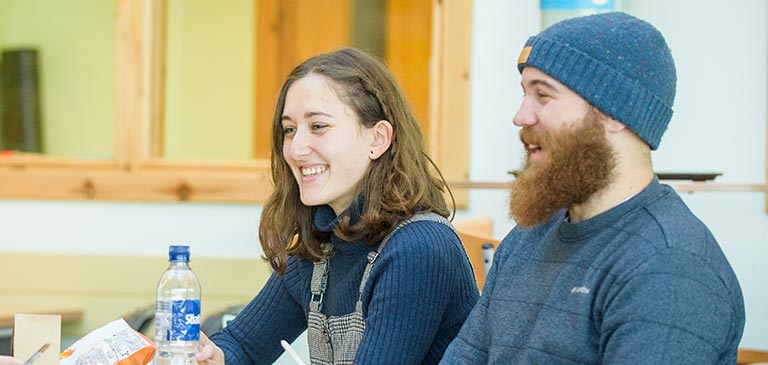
(20, 101)
(75, 41)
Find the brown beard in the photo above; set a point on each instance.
(578, 163)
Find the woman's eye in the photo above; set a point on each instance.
(318, 126)
(289, 130)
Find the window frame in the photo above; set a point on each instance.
(136, 174)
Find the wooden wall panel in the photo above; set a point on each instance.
(407, 51)
(289, 32)
(449, 107)
(268, 77)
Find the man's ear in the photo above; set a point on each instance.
(382, 138)
(613, 125)
(619, 133)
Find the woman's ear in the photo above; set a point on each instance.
(382, 138)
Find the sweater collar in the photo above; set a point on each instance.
(575, 231)
(326, 221)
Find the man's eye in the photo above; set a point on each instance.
(542, 95)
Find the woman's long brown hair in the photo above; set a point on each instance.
(397, 185)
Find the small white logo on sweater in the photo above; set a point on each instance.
(580, 290)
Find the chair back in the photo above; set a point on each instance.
(749, 356)
(476, 234)
(480, 226)
(480, 251)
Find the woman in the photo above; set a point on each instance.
(355, 229)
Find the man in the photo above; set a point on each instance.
(606, 265)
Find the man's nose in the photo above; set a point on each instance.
(526, 114)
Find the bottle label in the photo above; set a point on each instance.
(185, 320)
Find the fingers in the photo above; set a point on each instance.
(209, 353)
(204, 339)
(8, 360)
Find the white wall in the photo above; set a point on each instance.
(213, 230)
(719, 125)
(719, 122)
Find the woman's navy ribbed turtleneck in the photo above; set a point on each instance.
(419, 293)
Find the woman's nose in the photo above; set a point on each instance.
(298, 146)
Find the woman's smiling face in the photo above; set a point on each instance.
(324, 143)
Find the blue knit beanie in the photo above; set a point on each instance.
(616, 62)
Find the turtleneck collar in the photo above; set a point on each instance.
(326, 221)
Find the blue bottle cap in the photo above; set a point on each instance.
(178, 253)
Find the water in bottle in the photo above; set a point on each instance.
(553, 11)
(177, 311)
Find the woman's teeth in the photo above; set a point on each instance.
(312, 171)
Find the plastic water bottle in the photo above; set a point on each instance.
(553, 11)
(177, 311)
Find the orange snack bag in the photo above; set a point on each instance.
(115, 343)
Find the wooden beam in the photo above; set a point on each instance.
(155, 135)
(449, 111)
(132, 83)
(407, 51)
(678, 186)
(247, 182)
(268, 77)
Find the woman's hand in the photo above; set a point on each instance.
(7, 360)
(209, 354)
